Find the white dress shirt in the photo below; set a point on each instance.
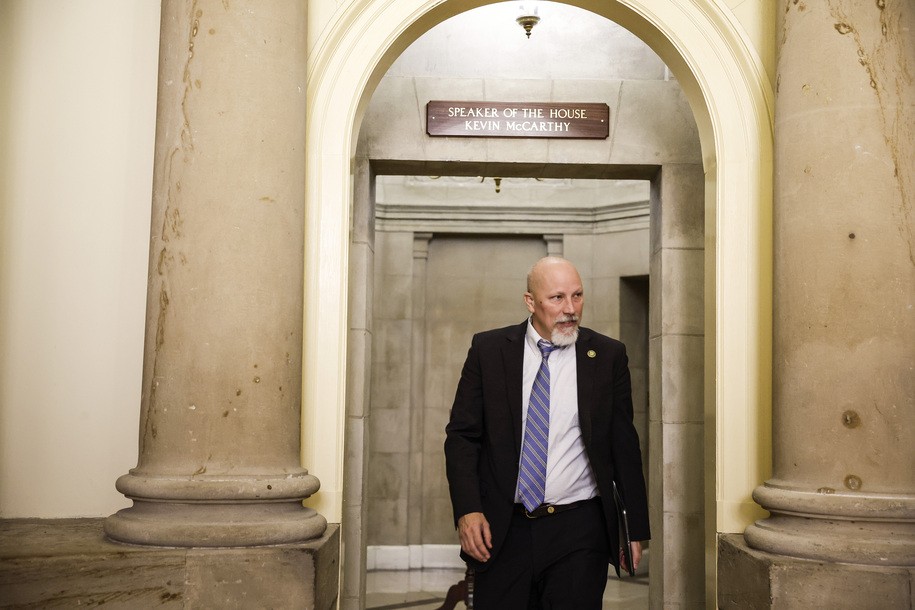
(569, 476)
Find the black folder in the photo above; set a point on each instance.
(625, 540)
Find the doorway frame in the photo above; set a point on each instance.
(732, 101)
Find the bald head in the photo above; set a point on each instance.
(555, 298)
(547, 266)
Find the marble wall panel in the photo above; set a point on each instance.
(362, 218)
(388, 475)
(443, 382)
(639, 392)
(438, 518)
(358, 372)
(440, 397)
(431, 88)
(415, 499)
(355, 539)
(393, 255)
(388, 117)
(354, 534)
(386, 522)
(601, 310)
(655, 121)
(682, 291)
(392, 341)
(682, 384)
(434, 428)
(438, 522)
(440, 345)
(680, 221)
(634, 334)
(395, 296)
(683, 467)
(620, 254)
(390, 385)
(578, 248)
(657, 274)
(360, 308)
(507, 302)
(390, 430)
(355, 462)
(684, 573)
(654, 378)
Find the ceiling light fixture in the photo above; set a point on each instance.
(497, 181)
(528, 17)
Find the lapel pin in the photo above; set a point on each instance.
(591, 353)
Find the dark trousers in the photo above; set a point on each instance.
(551, 563)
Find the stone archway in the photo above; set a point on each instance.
(731, 101)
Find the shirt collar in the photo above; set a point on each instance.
(531, 337)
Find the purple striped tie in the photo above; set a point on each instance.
(532, 474)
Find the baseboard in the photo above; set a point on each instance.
(434, 556)
(413, 557)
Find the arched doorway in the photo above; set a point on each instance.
(730, 101)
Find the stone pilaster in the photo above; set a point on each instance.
(219, 454)
(676, 418)
(843, 484)
(415, 495)
(554, 244)
(358, 386)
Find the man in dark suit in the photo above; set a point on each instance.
(532, 454)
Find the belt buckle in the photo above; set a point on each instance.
(550, 509)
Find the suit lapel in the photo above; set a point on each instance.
(513, 363)
(585, 364)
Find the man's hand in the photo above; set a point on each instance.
(476, 540)
(635, 548)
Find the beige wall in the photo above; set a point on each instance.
(77, 120)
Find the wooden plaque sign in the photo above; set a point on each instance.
(518, 120)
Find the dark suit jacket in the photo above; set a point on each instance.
(484, 435)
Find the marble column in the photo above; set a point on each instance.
(220, 438)
(843, 483)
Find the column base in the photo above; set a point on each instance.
(216, 511)
(749, 578)
(69, 563)
(866, 529)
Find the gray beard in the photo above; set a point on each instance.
(562, 340)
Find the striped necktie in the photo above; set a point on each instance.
(532, 474)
